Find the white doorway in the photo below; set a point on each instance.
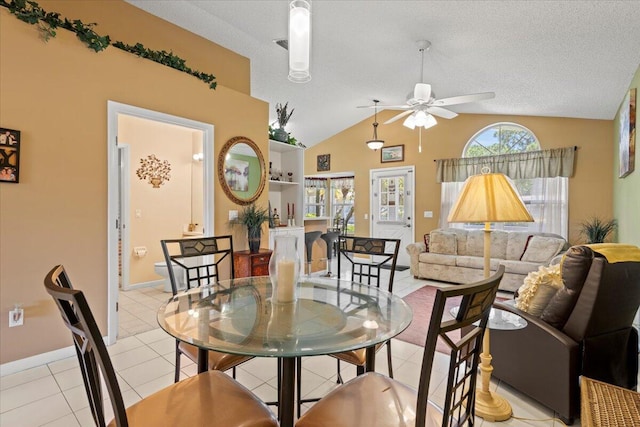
(392, 206)
(117, 218)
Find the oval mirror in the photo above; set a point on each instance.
(241, 170)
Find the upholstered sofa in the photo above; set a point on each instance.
(457, 256)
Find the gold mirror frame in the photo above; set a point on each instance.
(222, 168)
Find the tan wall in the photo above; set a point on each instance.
(128, 24)
(589, 189)
(157, 213)
(56, 93)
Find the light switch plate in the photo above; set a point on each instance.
(16, 317)
(233, 215)
(428, 214)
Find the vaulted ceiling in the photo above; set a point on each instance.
(541, 58)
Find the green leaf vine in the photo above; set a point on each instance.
(30, 12)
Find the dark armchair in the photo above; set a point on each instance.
(586, 329)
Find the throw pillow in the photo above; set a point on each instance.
(538, 289)
(575, 266)
(542, 249)
(442, 242)
(426, 241)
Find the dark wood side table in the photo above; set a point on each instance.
(248, 264)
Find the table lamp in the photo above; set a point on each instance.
(489, 197)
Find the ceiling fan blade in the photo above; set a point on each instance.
(462, 99)
(386, 107)
(422, 92)
(398, 117)
(441, 112)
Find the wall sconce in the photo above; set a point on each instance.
(299, 41)
(154, 170)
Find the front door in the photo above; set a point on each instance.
(392, 207)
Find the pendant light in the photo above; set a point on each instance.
(299, 41)
(375, 143)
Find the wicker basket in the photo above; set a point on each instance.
(608, 405)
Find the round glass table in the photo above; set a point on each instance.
(238, 316)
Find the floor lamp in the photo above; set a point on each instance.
(487, 198)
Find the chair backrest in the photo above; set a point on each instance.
(471, 320)
(91, 350)
(352, 251)
(200, 259)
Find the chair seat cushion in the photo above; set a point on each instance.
(355, 357)
(369, 400)
(211, 398)
(218, 361)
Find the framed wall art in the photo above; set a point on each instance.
(324, 162)
(394, 153)
(9, 155)
(627, 143)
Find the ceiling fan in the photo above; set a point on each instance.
(422, 105)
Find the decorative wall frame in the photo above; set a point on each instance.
(324, 162)
(394, 153)
(627, 143)
(9, 155)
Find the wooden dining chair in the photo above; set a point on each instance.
(202, 261)
(363, 258)
(375, 399)
(211, 398)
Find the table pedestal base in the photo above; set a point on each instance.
(491, 406)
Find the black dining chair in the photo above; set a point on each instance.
(211, 398)
(361, 259)
(375, 399)
(202, 261)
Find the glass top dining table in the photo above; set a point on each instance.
(329, 316)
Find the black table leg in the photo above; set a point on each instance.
(203, 360)
(370, 355)
(285, 408)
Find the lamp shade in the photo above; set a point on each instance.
(375, 144)
(489, 198)
(299, 41)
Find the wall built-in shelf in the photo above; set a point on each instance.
(282, 193)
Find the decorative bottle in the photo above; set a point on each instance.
(284, 269)
(276, 218)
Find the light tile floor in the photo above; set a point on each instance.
(53, 394)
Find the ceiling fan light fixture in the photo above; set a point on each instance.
(299, 41)
(410, 121)
(430, 122)
(375, 143)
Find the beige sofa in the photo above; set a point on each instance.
(456, 255)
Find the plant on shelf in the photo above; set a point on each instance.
(596, 230)
(252, 217)
(283, 116)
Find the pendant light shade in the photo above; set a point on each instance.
(299, 41)
(375, 143)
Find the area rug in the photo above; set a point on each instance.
(421, 302)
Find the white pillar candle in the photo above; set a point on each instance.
(286, 284)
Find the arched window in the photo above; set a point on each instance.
(501, 138)
(547, 199)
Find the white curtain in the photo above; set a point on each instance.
(547, 201)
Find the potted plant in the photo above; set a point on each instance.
(252, 217)
(596, 230)
(280, 134)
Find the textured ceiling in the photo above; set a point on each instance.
(541, 58)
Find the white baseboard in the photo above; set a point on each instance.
(37, 360)
(141, 285)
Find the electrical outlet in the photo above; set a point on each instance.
(16, 316)
(366, 216)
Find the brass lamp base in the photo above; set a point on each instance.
(492, 407)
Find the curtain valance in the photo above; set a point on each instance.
(532, 164)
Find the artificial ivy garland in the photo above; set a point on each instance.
(30, 12)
